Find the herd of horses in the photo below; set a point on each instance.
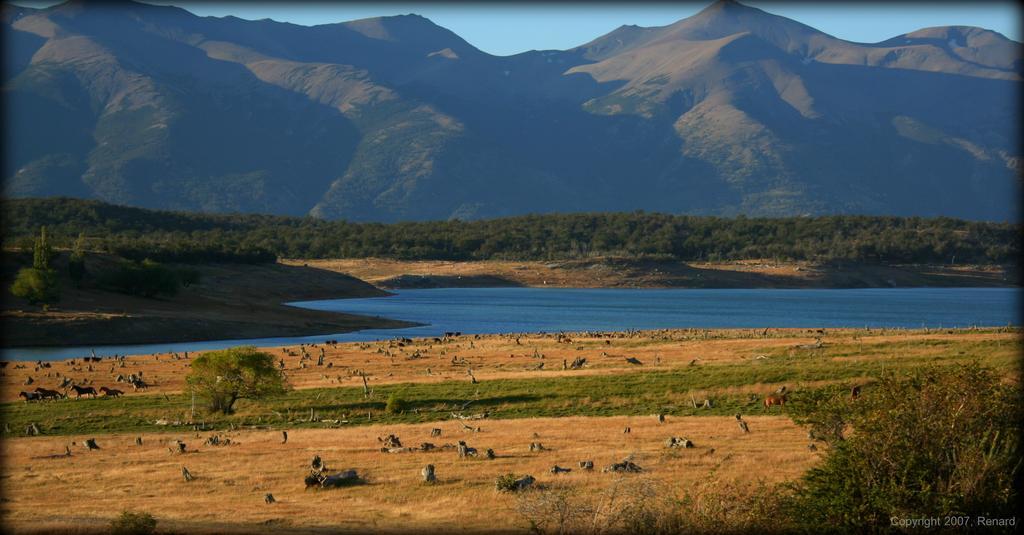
(41, 394)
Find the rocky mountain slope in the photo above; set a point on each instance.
(731, 111)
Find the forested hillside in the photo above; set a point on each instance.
(183, 236)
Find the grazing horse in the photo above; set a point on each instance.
(774, 400)
(44, 393)
(30, 396)
(83, 390)
(110, 392)
(139, 384)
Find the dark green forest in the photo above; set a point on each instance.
(167, 236)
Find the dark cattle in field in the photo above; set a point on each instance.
(83, 391)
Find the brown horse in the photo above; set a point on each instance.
(110, 392)
(774, 400)
(83, 391)
(48, 394)
(29, 396)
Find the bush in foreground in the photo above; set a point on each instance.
(130, 523)
(933, 442)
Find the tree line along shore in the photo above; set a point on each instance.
(138, 233)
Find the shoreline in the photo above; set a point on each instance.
(512, 355)
(231, 301)
(615, 272)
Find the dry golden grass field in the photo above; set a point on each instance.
(90, 487)
(83, 492)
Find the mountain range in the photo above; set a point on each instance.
(731, 111)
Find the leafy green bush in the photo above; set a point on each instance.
(129, 523)
(932, 442)
(38, 286)
(396, 404)
(225, 376)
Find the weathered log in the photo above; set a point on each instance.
(677, 442)
(624, 466)
(341, 479)
(559, 470)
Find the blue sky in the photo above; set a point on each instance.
(509, 28)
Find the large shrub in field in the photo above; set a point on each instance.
(223, 377)
(37, 286)
(931, 442)
(146, 279)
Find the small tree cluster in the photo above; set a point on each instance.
(38, 284)
(146, 278)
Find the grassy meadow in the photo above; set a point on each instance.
(576, 414)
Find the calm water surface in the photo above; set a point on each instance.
(493, 310)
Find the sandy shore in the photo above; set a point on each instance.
(625, 273)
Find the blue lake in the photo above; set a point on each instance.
(493, 310)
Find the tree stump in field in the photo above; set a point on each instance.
(138, 441)
(428, 474)
(32, 430)
(284, 437)
(489, 453)
(269, 498)
(317, 465)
